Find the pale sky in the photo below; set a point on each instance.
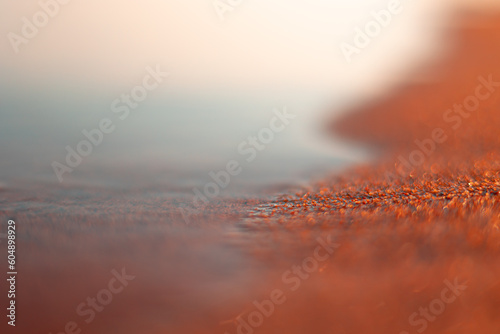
(261, 44)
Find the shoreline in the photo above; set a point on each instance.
(369, 250)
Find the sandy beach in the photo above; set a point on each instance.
(406, 243)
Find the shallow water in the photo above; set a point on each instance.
(168, 142)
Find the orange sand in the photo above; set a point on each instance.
(403, 230)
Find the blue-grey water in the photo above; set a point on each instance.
(172, 141)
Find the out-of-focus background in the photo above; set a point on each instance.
(228, 72)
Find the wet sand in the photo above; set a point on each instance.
(368, 251)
